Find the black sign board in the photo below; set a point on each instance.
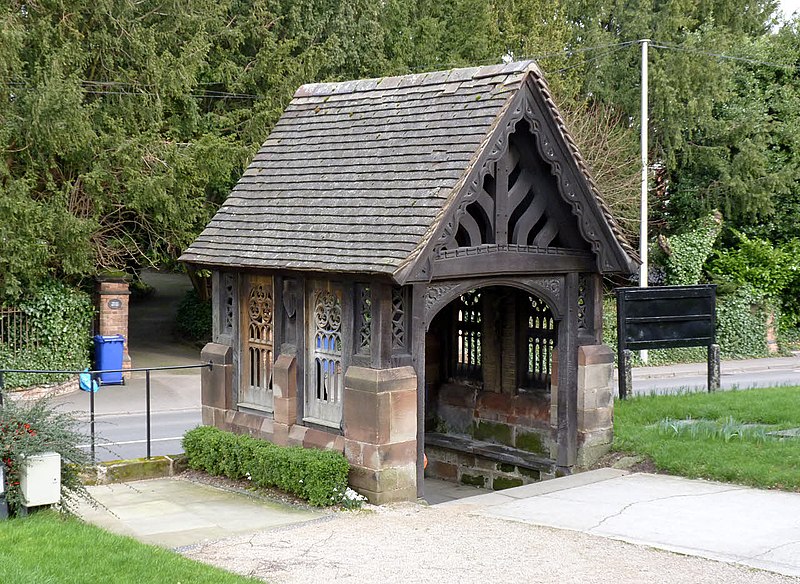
(665, 317)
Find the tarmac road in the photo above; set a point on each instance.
(120, 421)
(123, 436)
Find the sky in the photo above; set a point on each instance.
(789, 6)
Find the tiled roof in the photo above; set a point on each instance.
(355, 174)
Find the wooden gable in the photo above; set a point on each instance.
(528, 204)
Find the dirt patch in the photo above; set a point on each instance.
(626, 461)
(245, 487)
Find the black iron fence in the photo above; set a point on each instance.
(15, 330)
(94, 376)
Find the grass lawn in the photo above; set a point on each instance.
(724, 456)
(46, 548)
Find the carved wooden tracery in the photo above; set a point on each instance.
(326, 381)
(517, 206)
(502, 205)
(399, 318)
(364, 319)
(227, 303)
(549, 288)
(468, 312)
(541, 336)
(257, 318)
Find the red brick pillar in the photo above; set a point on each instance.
(112, 300)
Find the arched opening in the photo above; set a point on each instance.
(489, 357)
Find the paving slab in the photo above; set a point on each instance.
(175, 512)
(718, 521)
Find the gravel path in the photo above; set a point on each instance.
(411, 544)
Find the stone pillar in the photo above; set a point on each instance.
(380, 431)
(595, 403)
(216, 383)
(284, 400)
(112, 302)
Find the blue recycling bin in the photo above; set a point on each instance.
(108, 355)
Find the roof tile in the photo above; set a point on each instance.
(355, 174)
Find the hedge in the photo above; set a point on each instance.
(318, 476)
(193, 319)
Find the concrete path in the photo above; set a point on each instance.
(718, 521)
(176, 512)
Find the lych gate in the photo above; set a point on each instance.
(413, 265)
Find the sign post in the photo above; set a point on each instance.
(663, 318)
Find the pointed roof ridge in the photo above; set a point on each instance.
(415, 79)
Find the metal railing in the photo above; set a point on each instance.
(15, 329)
(95, 379)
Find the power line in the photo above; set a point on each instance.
(670, 46)
(109, 87)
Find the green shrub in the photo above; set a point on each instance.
(28, 428)
(319, 477)
(60, 321)
(194, 317)
(771, 271)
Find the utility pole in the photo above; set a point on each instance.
(643, 269)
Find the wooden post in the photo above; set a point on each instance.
(713, 368)
(417, 345)
(624, 376)
(567, 414)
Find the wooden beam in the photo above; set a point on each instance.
(507, 262)
(567, 413)
(418, 327)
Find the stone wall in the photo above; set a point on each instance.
(521, 421)
(595, 396)
(470, 465)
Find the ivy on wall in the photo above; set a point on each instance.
(742, 324)
(60, 321)
(683, 255)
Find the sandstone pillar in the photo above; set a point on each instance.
(380, 431)
(595, 403)
(216, 383)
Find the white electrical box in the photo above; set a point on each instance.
(40, 479)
